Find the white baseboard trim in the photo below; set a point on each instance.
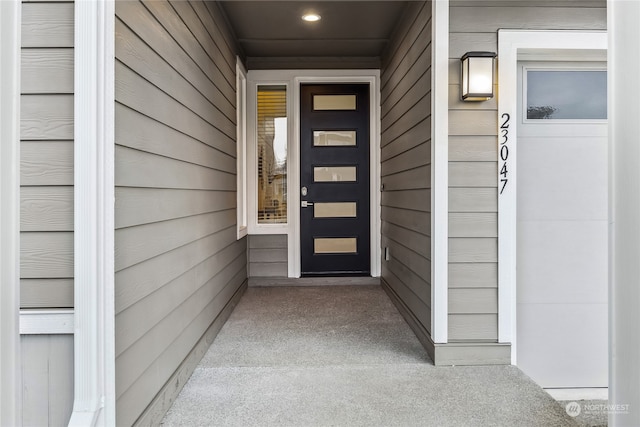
(46, 322)
(578, 393)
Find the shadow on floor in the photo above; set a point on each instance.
(343, 356)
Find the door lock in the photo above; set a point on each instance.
(303, 191)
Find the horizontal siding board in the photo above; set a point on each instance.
(420, 310)
(474, 224)
(164, 13)
(473, 199)
(47, 70)
(136, 359)
(417, 200)
(413, 220)
(412, 117)
(46, 293)
(137, 244)
(198, 29)
(131, 327)
(416, 82)
(413, 261)
(473, 275)
(455, 95)
(268, 241)
(137, 206)
(44, 163)
(46, 209)
(46, 255)
(396, 63)
(473, 122)
(473, 249)
(412, 179)
(147, 28)
(215, 23)
(135, 399)
(268, 255)
(46, 117)
(473, 174)
(412, 95)
(139, 169)
(137, 55)
(140, 280)
(473, 149)
(413, 158)
(268, 269)
(416, 242)
(421, 133)
(47, 25)
(473, 301)
(138, 94)
(482, 19)
(140, 132)
(461, 43)
(473, 327)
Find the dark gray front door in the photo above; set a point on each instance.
(334, 178)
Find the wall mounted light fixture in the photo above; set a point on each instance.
(477, 76)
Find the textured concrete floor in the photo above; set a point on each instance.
(343, 356)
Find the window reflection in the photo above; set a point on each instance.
(575, 94)
(272, 154)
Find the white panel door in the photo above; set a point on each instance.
(562, 224)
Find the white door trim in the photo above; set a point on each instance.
(10, 378)
(94, 323)
(512, 46)
(293, 79)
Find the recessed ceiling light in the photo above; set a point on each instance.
(311, 17)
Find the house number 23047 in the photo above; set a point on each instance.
(504, 151)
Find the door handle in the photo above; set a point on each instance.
(305, 204)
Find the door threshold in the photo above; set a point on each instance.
(313, 281)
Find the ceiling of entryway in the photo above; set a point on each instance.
(347, 29)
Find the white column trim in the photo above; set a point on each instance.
(94, 382)
(10, 378)
(513, 44)
(440, 172)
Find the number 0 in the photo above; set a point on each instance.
(504, 153)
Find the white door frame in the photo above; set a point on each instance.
(10, 378)
(514, 45)
(293, 79)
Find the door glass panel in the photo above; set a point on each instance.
(334, 138)
(335, 245)
(272, 154)
(576, 94)
(334, 210)
(334, 174)
(334, 102)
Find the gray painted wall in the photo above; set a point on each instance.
(406, 163)
(46, 163)
(268, 256)
(178, 264)
(47, 379)
(46, 205)
(473, 203)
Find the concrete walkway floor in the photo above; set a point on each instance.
(343, 356)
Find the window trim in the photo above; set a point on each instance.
(241, 150)
(253, 226)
